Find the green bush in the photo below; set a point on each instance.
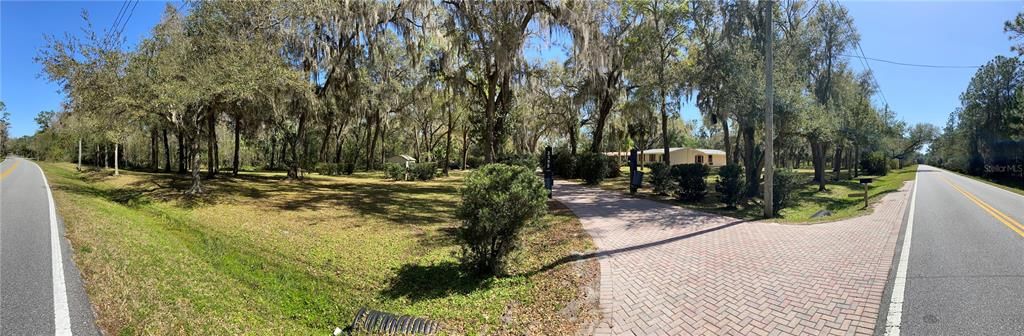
(614, 170)
(498, 201)
(525, 160)
(875, 163)
(592, 168)
(395, 172)
(730, 184)
(424, 171)
(785, 182)
(328, 168)
(690, 178)
(660, 178)
(348, 168)
(474, 162)
(565, 164)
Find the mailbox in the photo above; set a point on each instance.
(864, 181)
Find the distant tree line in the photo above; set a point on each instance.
(985, 135)
(296, 85)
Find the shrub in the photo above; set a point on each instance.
(592, 167)
(690, 178)
(328, 168)
(614, 170)
(565, 164)
(875, 163)
(730, 184)
(349, 167)
(395, 172)
(423, 171)
(660, 178)
(524, 160)
(474, 162)
(785, 182)
(498, 201)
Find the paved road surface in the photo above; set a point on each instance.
(669, 271)
(27, 268)
(965, 271)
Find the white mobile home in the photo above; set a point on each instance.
(681, 155)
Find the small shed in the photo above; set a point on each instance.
(402, 160)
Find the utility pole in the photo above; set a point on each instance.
(769, 120)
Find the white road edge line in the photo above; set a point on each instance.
(61, 315)
(894, 319)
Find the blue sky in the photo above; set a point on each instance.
(939, 33)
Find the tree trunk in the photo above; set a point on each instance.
(327, 135)
(117, 170)
(750, 162)
(465, 145)
(211, 143)
(369, 134)
(273, 150)
(181, 152)
(837, 159)
(79, 154)
(448, 141)
(197, 187)
(167, 152)
(234, 163)
(573, 138)
(339, 145)
(729, 157)
(295, 169)
(818, 161)
(154, 150)
(664, 128)
(604, 109)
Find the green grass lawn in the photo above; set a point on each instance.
(263, 255)
(844, 198)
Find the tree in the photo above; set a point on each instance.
(663, 28)
(5, 125)
(833, 36)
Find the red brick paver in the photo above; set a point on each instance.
(669, 271)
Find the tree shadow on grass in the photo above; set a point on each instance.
(130, 197)
(418, 282)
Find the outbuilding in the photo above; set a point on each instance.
(402, 160)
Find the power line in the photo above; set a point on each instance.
(916, 65)
(120, 13)
(863, 57)
(125, 23)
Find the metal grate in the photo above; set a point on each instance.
(372, 321)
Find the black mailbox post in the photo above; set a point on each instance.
(865, 181)
(549, 174)
(635, 176)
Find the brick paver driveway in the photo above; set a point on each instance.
(669, 271)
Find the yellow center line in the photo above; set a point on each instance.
(9, 170)
(1006, 220)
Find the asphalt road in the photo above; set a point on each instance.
(965, 273)
(31, 301)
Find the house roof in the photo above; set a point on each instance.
(674, 149)
(710, 151)
(404, 157)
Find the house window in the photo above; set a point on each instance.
(650, 158)
(698, 159)
(711, 160)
